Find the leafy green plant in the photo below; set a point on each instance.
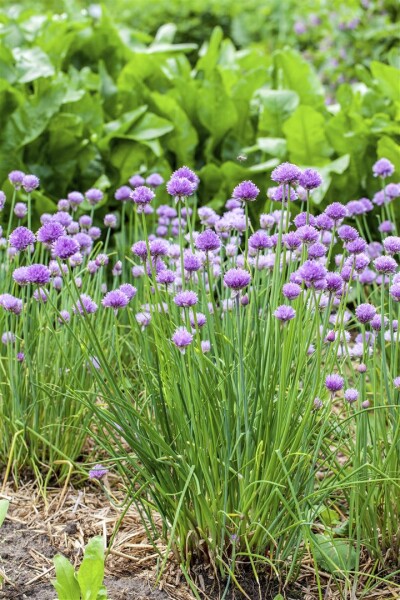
(87, 582)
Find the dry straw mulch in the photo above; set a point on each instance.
(63, 520)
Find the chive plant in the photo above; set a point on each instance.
(246, 385)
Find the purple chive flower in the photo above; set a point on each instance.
(330, 336)
(383, 168)
(392, 191)
(50, 232)
(347, 233)
(38, 274)
(94, 233)
(386, 227)
(165, 277)
(75, 198)
(318, 403)
(11, 304)
(291, 240)
(385, 264)
(260, 240)
(286, 173)
(186, 299)
(291, 291)
(187, 173)
(316, 250)
(85, 221)
(205, 346)
(141, 196)
(154, 180)
(158, 248)
(30, 183)
(115, 299)
(16, 178)
(351, 395)
(310, 179)
(62, 217)
(285, 313)
(207, 241)
(267, 221)
(64, 317)
(94, 196)
(2, 199)
(336, 211)
(65, 246)
(395, 291)
(237, 279)
(180, 187)
(357, 246)
(98, 472)
(110, 221)
(63, 205)
(136, 181)
(191, 262)
(362, 368)
(129, 290)
(21, 275)
(308, 234)
(365, 313)
(396, 383)
(355, 208)
(301, 219)
(280, 194)
(334, 383)
(123, 194)
(197, 319)
(8, 338)
(376, 322)
(312, 271)
(20, 210)
(246, 191)
(140, 249)
(392, 244)
(182, 338)
(20, 357)
(21, 238)
(40, 295)
(85, 305)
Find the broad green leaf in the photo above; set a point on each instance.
(306, 139)
(150, 127)
(166, 33)
(209, 52)
(215, 110)
(334, 554)
(4, 504)
(66, 585)
(91, 572)
(388, 78)
(276, 106)
(337, 166)
(293, 72)
(32, 63)
(274, 146)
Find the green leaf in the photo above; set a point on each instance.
(334, 554)
(150, 127)
(4, 504)
(66, 585)
(91, 572)
(306, 139)
(209, 52)
(31, 64)
(294, 73)
(274, 146)
(215, 110)
(388, 79)
(276, 107)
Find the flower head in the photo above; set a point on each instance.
(65, 246)
(246, 191)
(383, 168)
(115, 299)
(141, 196)
(38, 274)
(186, 298)
(207, 241)
(180, 187)
(334, 383)
(50, 232)
(351, 395)
(98, 472)
(385, 264)
(237, 279)
(94, 196)
(286, 173)
(284, 313)
(182, 338)
(310, 179)
(365, 313)
(85, 305)
(21, 238)
(11, 304)
(15, 178)
(123, 194)
(30, 183)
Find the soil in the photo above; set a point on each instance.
(22, 554)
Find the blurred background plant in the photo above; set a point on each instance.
(90, 95)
